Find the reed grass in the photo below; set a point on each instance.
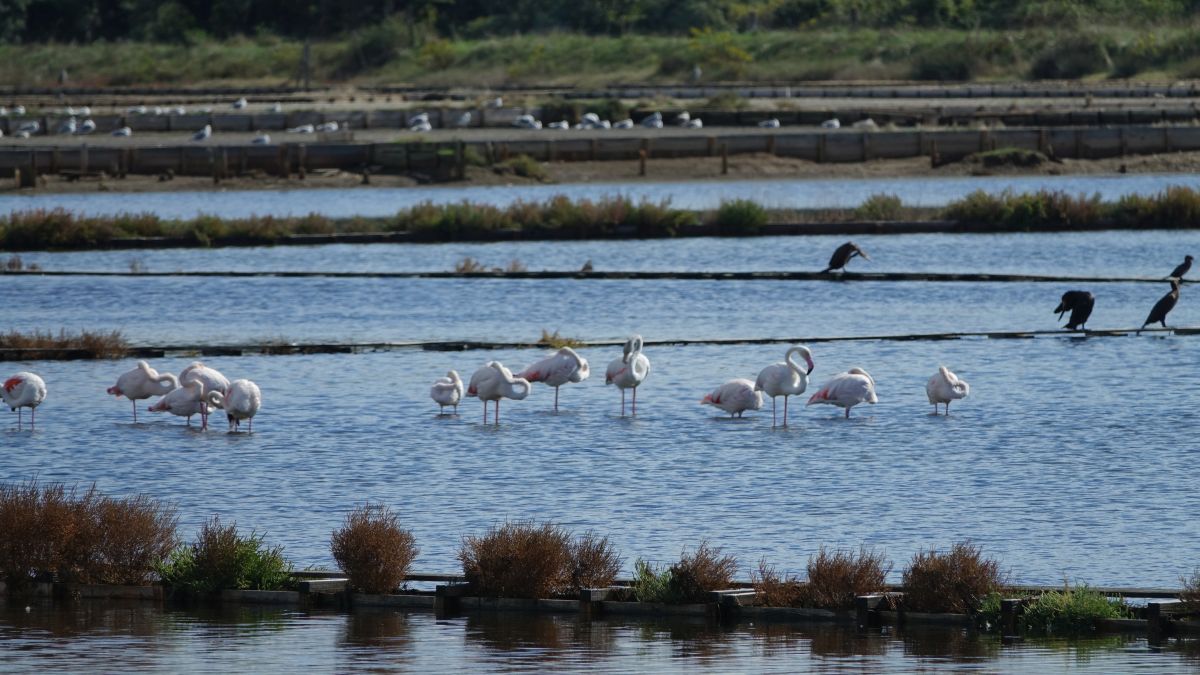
(1071, 610)
(373, 550)
(94, 344)
(687, 581)
(222, 558)
(556, 341)
(1190, 592)
(955, 581)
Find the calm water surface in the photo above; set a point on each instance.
(93, 638)
(790, 194)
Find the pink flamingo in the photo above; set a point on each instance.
(493, 382)
(847, 390)
(24, 390)
(141, 383)
(628, 371)
(558, 369)
(735, 397)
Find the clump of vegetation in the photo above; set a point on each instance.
(740, 216)
(1027, 211)
(523, 166)
(686, 581)
(774, 590)
(880, 207)
(94, 345)
(556, 341)
(469, 265)
(16, 264)
(1001, 157)
(524, 560)
(55, 533)
(1071, 610)
(836, 578)
(1191, 590)
(373, 550)
(221, 558)
(955, 581)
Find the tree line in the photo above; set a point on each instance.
(35, 21)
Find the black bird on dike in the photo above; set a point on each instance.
(842, 256)
(1182, 268)
(1163, 307)
(1079, 304)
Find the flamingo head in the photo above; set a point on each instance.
(160, 406)
(809, 361)
(114, 390)
(710, 399)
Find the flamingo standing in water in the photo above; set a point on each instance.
(212, 379)
(847, 390)
(785, 379)
(628, 371)
(493, 382)
(446, 391)
(143, 382)
(944, 387)
(735, 397)
(24, 390)
(185, 401)
(558, 369)
(240, 401)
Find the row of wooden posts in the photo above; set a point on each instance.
(446, 160)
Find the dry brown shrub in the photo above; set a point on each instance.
(1191, 590)
(469, 265)
(775, 591)
(594, 562)
(373, 550)
(518, 560)
(703, 571)
(836, 578)
(133, 535)
(956, 581)
(38, 523)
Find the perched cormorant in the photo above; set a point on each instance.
(1164, 305)
(1182, 269)
(843, 254)
(1079, 304)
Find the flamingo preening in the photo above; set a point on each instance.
(628, 371)
(785, 379)
(446, 391)
(24, 390)
(240, 401)
(492, 382)
(185, 401)
(847, 390)
(735, 397)
(143, 382)
(943, 387)
(212, 379)
(558, 369)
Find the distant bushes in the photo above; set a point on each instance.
(528, 560)
(687, 581)
(52, 533)
(373, 550)
(94, 344)
(835, 578)
(1071, 610)
(740, 217)
(955, 581)
(222, 558)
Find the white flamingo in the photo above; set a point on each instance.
(628, 371)
(240, 401)
(943, 387)
(213, 381)
(847, 390)
(446, 391)
(558, 369)
(185, 401)
(24, 390)
(735, 397)
(143, 382)
(493, 382)
(785, 379)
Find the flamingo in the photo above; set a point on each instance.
(213, 381)
(492, 382)
(785, 379)
(735, 397)
(847, 390)
(558, 369)
(185, 401)
(143, 382)
(24, 390)
(943, 387)
(240, 401)
(446, 391)
(628, 371)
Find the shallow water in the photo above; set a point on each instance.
(782, 194)
(93, 638)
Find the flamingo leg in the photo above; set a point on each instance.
(847, 413)
(250, 426)
(32, 419)
(134, 410)
(497, 416)
(785, 398)
(556, 399)
(947, 408)
(772, 412)
(485, 412)
(18, 419)
(623, 401)
(633, 410)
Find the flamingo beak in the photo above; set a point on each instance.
(114, 391)
(810, 366)
(707, 399)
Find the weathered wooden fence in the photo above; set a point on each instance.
(444, 158)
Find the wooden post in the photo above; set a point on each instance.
(724, 158)
(17, 178)
(712, 146)
(1009, 610)
(55, 160)
(821, 147)
(83, 159)
(771, 144)
(224, 162)
(122, 162)
(983, 140)
(641, 162)
(1042, 140)
(133, 157)
(285, 170)
(866, 610)
(646, 146)
(302, 161)
(592, 150)
(179, 169)
(934, 160)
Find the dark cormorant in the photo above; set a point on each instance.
(1079, 304)
(1182, 269)
(843, 254)
(1164, 305)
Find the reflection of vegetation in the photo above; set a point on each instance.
(377, 628)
